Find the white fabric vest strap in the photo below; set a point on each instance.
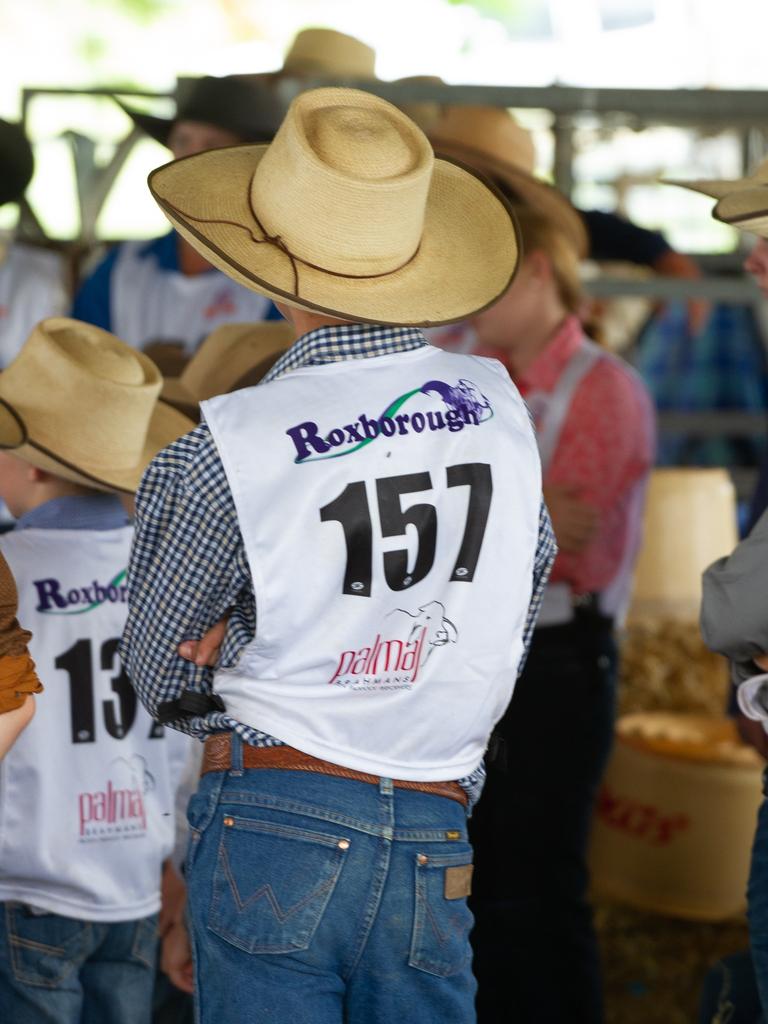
(412, 487)
(550, 411)
(86, 802)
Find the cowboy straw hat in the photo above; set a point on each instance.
(719, 188)
(346, 213)
(742, 202)
(325, 53)
(248, 108)
(224, 358)
(426, 113)
(491, 140)
(746, 210)
(81, 404)
(16, 162)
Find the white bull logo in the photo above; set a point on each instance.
(438, 630)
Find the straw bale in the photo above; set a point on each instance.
(666, 667)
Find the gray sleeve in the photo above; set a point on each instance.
(734, 612)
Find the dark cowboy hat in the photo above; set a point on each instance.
(16, 162)
(248, 109)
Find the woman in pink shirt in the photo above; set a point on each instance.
(536, 954)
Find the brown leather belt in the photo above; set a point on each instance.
(218, 758)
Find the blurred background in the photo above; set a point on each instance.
(143, 45)
(617, 94)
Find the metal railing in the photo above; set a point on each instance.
(744, 111)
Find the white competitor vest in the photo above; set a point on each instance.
(31, 289)
(550, 412)
(389, 508)
(148, 303)
(87, 791)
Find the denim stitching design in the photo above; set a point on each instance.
(426, 927)
(320, 895)
(268, 892)
(30, 974)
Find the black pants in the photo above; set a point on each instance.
(536, 957)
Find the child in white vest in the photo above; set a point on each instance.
(369, 517)
(87, 792)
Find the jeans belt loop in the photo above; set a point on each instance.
(237, 755)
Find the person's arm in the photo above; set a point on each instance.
(175, 948)
(734, 620)
(606, 446)
(544, 559)
(734, 623)
(614, 238)
(14, 722)
(188, 570)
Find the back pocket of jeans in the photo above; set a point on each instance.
(146, 940)
(442, 919)
(45, 948)
(272, 884)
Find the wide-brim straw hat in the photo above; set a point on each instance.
(224, 359)
(347, 213)
(81, 404)
(719, 188)
(742, 202)
(426, 113)
(248, 108)
(491, 140)
(325, 53)
(746, 210)
(16, 162)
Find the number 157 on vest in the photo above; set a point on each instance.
(352, 510)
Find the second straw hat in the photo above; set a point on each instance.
(325, 53)
(249, 109)
(490, 139)
(78, 402)
(346, 213)
(224, 359)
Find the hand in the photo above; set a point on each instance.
(173, 898)
(574, 521)
(205, 651)
(762, 662)
(753, 734)
(176, 957)
(677, 264)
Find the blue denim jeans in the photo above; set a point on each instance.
(315, 899)
(757, 901)
(58, 970)
(729, 993)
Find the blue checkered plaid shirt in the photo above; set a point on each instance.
(188, 565)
